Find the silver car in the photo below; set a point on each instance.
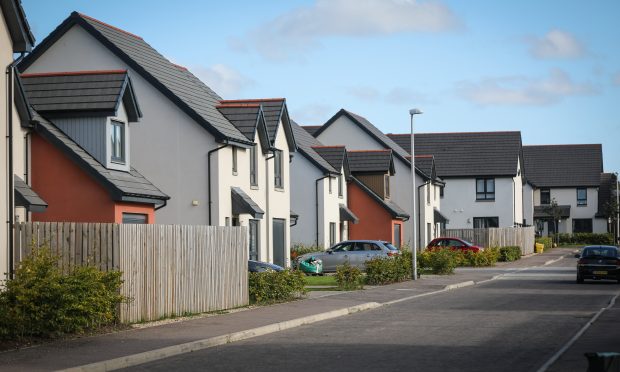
(355, 252)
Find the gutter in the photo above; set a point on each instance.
(10, 73)
(209, 175)
(316, 201)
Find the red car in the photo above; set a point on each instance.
(454, 244)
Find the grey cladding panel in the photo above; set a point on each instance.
(89, 133)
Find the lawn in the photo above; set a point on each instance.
(320, 280)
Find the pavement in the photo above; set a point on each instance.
(133, 347)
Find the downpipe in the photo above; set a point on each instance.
(209, 175)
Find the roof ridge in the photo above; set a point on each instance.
(73, 73)
(108, 25)
(254, 100)
(384, 150)
(479, 132)
(179, 66)
(566, 144)
(237, 105)
(328, 147)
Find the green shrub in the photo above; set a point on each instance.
(41, 301)
(546, 241)
(486, 257)
(275, 286)
(593, 239)
(349, 277)
(386, 270)
(440, 261)
(509, 253)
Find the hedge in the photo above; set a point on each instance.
(275, 286)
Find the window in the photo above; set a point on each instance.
(428, 231)
(118, 142)
(254, 239)
(330, 185)
(545, 196)
(277, 169)
(226, 221)
(340, 191)
(253, 167)
(485, 222)
(428, 194)
(234, 161)
(582, 225)
(332, 233)
(138, 218)
(485, 189)
(441, 191)
(387, 185)
(434, 192)
(582, 196)
(396, 240)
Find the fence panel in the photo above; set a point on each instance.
(497, 237)
(167, 269)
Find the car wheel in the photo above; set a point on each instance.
(579, 279)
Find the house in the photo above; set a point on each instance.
(482, 172)
(80, 148)
(370, 197)
(571, 176)
(15, 37)
(319, 192)
(217, 167)
(357, 133)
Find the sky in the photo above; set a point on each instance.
(548, 68)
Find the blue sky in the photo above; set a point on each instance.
(550, 69)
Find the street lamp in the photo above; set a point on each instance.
(414, 248)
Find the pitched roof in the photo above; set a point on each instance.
(394, 209)
(123, 186)
(371, 161)
(468, 154)
(275, 111)
(242, 203)
(336, 156)
(606, 193)
(311, 129)
(426, 163)
(402, 140)
(17, 24)
(563, 165)
(183, 88)
(374, 132)
(26, 197)
(305, 143)
(99, 92)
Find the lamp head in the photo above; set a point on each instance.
(414, 111)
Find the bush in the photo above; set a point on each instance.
(42, 302)
(275, 286)
(510, 253)
(301, 249)
(349, 277)
(546, 241)
(440, 261)
(486, 257)
(386, 270)
(585, 238)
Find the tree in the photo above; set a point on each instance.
(554, 211)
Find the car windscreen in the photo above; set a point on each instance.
(600, 252)
(469, 244)
(390, 246)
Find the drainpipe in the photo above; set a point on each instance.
(273, 155)
(10, 71)
(209, 174)
(316, 198)
(419, 209)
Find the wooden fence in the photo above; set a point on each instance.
(167, 269)
(497, 237)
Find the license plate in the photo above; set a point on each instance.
(599, 272)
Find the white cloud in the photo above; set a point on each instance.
(312, 114)
(224, 80)
(556, 44)
(396, 95)
(301, 28)
(519, 90)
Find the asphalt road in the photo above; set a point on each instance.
(515, 323)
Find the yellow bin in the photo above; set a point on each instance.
(540, 247)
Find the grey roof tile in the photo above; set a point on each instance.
(244, 117)
(563, 165)
(120, 184)
(273, 109)
(311, 129)
(26, 197)
(371, 161)
(243, 203)
(305, 143)
(336, 156)
(468, 154)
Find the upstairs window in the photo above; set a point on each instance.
(253, 167)
(330, 185)
(441, 191)
(277, 169)
(234, 161)
(582, 196)
(118, 142)
(485, 189)
(387, 185)
(340, 186)
(545, 196)
(428, 194)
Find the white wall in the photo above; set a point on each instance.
(303, 176)
(168, 147)
(528, 204)
(519, 213)
(460, 206)
(568, 196)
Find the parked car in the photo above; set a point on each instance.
(598, 262)
(454, 244)
(259, 267)
(355, 252)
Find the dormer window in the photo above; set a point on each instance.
(118, 142)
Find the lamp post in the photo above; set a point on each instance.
(414, 248)
(617, 210)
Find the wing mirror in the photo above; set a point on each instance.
(577, 255)
(329, 251)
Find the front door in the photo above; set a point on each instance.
(279, 241)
